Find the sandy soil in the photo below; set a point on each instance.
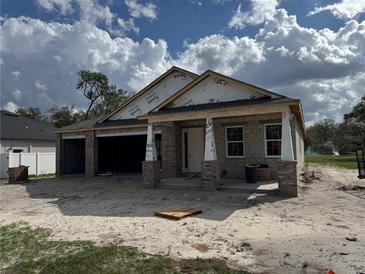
(258, 233)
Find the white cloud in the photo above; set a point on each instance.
(10, 106)
(325, 68)
(40, 86)
(261, 10)
(124, 26)
(17, 94)
(33, 44)
(16, 73)
(221, 53)
(296, 61)
(58, 58)
(90, 10)
(345, 9)
(93, 12)
(148, 10)
(52, 5)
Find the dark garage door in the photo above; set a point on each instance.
(121, 154)
(73, 156)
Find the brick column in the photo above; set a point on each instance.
(210, 174)
(171, 150)
(59, 155)
(287, 178)
(90, 146)
(151, 173)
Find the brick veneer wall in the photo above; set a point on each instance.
(90, 155)
(254, 144)
(59, 155)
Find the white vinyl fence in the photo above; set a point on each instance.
(38, 162)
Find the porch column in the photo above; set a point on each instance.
(287, 166)
(210, 168)
(151, 167)
(287, 153)
(210, 153)
(151, 144)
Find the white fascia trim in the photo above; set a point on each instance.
(126, 133)
(74, 137)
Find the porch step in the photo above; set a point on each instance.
(247, 190)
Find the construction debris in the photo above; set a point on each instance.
(178, 213)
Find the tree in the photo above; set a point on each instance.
(351, 132)
(319, 137)
(103, 98)
(64, 116)
(348, 136)
(111, 100)
(357, 114)
(31, 112)
(93, 85)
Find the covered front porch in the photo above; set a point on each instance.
(211, 151)
(224, 184)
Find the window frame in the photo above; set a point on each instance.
(266, 140)
(243, 142)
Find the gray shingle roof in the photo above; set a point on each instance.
(14, 126)
(87, 124)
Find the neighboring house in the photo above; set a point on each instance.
(24, 141)
(183, 123)
(21, 134)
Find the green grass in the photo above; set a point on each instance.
(27, 250)
(46, 175)
(348, 161)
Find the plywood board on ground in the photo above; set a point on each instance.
(178, 213)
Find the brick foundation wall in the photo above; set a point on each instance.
(90, 155)
(151, 173)
(288, 178)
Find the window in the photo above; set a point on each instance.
(17, 150)
(234, 141)
(273, 140)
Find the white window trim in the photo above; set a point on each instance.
(265, 141)
(243, 142)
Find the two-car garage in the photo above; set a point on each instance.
(116, 154)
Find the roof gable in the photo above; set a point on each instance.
(212, 87)
(153, 94)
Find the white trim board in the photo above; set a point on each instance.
(114, 134)
(265, 140)
(74, 137)
(243, 142)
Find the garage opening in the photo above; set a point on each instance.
(123, 155)
(74, 156)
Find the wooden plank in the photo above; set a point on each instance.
(178, 213)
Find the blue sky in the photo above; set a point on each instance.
(312, 50)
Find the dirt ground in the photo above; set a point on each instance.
(257, 233)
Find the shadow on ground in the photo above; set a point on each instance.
(128, 197)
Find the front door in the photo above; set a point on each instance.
(193, 149)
